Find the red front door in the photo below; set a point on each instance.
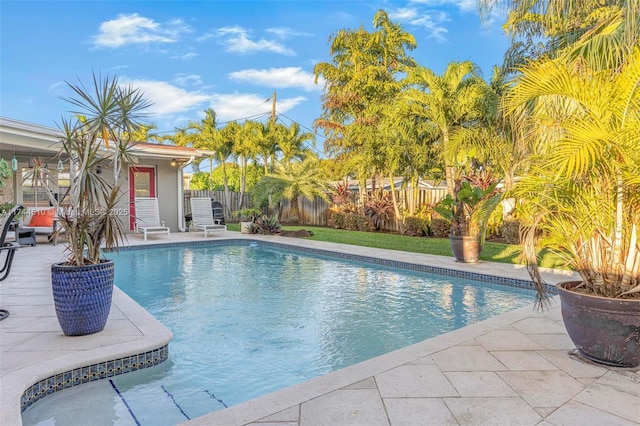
(142, 183)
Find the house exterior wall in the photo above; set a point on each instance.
(27, 140)
(166, 182)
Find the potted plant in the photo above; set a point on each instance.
(468, 212)
(582, 197)
(247, 217)
(83, 284)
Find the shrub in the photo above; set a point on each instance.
(336, 219)
(440, 227)
(416, 226)
(511, 231)
(350, 221)
(379, 209)
(344, 200)
(358, 222)
(266, 225)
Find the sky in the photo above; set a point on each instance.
(187, 56)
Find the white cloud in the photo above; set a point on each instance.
(171, 104)
(237, 39)
(286, 33)
(168, 99)
(237, 106)
(185, 56)
(430, 20)
(136, 29)
(58, 88)
(280, 78)
(187, 79)
(464, 5)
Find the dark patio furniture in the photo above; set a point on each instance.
(8, 247)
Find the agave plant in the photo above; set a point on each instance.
(266, 225)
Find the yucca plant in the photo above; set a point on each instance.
(108, 112)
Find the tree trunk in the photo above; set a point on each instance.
(294, 211)
(396, 208)
(227, 196)
(243, 174)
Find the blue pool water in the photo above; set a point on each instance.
(250, 319)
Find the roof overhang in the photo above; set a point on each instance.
(33, 139)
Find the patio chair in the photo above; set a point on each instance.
(147, 217)
(202, 217)
(9, 247)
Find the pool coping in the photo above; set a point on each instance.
(155, 336)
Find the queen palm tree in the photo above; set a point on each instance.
(455, 98)
(366, 71)
(291, 142)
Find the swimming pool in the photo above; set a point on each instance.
(248, 320)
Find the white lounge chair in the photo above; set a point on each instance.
(147, 217)
(202, 217)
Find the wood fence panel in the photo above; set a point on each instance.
(312, 213)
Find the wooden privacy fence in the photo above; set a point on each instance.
(312, 213)
(230, 205)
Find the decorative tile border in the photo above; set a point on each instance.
(513, 282)
(92, 373)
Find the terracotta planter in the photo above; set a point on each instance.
(604, 330)
(466, 249)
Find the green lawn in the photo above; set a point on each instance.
(494, 252)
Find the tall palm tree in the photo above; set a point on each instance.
(292, 142)
(365, 72)
(601, 33)
(245, 148)
(449, 101)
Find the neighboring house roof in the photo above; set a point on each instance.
(33, 140)
(353, 184)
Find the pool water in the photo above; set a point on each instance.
(251, 319)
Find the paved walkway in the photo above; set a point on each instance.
(511, 369)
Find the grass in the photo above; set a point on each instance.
(493, 252)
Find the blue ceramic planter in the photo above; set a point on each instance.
(82, 296)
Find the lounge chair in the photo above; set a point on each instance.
(202, 217)
(9, 247)
(147, 216)
(43, 221)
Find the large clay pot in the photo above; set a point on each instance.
(604, 330)
(466, 249)
(82, 296)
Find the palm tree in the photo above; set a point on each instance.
(301, 178)
(291, 142)
(365, 72)
(603, 34)
(245, 148)
(449, 101)
(583, 192)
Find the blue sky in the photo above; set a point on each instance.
(227, 55)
